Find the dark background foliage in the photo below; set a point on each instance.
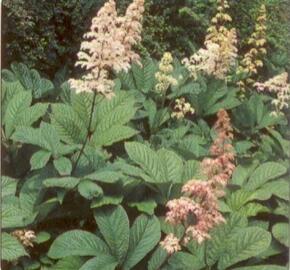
(47, 34)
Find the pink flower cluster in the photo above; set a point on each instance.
(200, 199)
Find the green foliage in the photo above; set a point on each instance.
(93, 181)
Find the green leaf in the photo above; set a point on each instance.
(63, 165)
(112, 135)
(184, 261)
(8, 186)
(218, 244)
(244, 244)
(42, 237)
(89, 189)
(146, 206)
(107, 200)
(242, 173)
(39, 159)
(15, 108)
(148, 160)
(157, 259)
(281, 233)
(12, 216)
(114, 225)
(191, 170)
(279, 188)
(262, 267)
(77, 243)
(31, 114)
(30, 79)
(105, 176)
(144, 235)
(173, 165)
(64, 182)
(68, 263)
(102, 262)
(70, 127)
(11, 248)
(264, 173)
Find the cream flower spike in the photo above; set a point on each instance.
(108, 46)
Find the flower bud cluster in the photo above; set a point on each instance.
(25, 237)
(252, 60)
(181, 108)
(164, 75)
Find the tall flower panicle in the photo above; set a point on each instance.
(200, 198)
(25, 237)
(220, 51)
(181, 108)
(164, 75)
(108, 46)
(253, 58)
(279, 86)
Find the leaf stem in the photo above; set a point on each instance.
(88, 133)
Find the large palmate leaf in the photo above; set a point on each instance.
(144, 235)
(148, 160)
(8, 186)
(29, 79)
(11, 248)
(114, 226)
(77, 243)
(264, 173)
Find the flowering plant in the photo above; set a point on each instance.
(147, 164)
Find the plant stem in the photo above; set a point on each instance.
(88, 132)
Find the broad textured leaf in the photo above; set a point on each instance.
(105, 176)
(15, 108)
(279, 188)
(281, 233)
(11, 248)
(68, 263)
(70, 127)
(114, 134)
(31, 114)
(262, 267)
(148, 160)
(8, 186)
(42, 237)
(217, 246)
(89, 189)
(64, 182)
(173, 165)
(107, 200)
(157, 259)
(63, 165)
(144, 235)
(39, 159)
(191, 170)
(30, 79)
(77, 243)
(244, 244)
(114, 226)
(146, 206)
(102, 262)
(184, 261)
(11, 216)
(241, 174)
(264, 173)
